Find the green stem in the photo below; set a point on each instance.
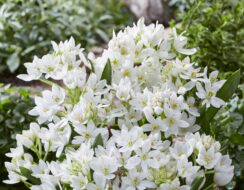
(27, 184)
(39, 147)
(209, 172)
(45, 81)
(194, 158)
(34, 149)
(48, 149)
(209, 187)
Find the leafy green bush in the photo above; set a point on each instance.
(180, 7)
(27, 27)
(228, 128)
(14, 106)
(217, 29)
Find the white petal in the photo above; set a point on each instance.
(217, 102)
(187, 51)
(132, 162)
(25, 77)
(223, 178)
(183, 124)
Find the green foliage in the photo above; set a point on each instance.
(217, 29)
(197, 183)
(228, 128)
(14, 106)
(27, 173)
(27, 27)
(107, 73)
(180, 7)
(225, 93)
(98, 141)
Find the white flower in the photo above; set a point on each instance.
(186, 169)
(54, 97)
(104, 167)
(173, 121)
(177, 103)
(209, 95)
(140, 100)
(50, 66)
(28, 137)
(179, 149)
(179, 43)
(100, 183)
(191, 106)
(48, 104)
(33, 70)
(175, 184)
(13, 176)
(79, 182)
(208, 158)
(40, 169)
(208, 142)
(154, 125)
(65, 48)
(123, 90)
(128, 140)
(83, 111)
(75, 78)
(17, 152)
(136, 180)
(56, 136)
(224, 171)
(143, 157)
(88, 133)
(78, 162)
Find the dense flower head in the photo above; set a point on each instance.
(124, 120)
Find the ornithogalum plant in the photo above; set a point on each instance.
(133, 118)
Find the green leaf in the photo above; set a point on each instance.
(105, 17)
(107, 73)
(13, 62)
(24, 92)
(92, 67)
(102, 35)
(197, 183)
(237, 139)
(230, 86)
(98, 141)
(27, 173)
(225, 93)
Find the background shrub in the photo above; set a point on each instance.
(228, 128)
(27, 27)
(217, 29)
(180, 7)
(14, 106)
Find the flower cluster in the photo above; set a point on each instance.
(124, 120)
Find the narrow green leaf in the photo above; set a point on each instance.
(197, 183)
(230, 86)
(107, 73)
(27, 173)
(105, 17)
(98, 141)
(237, 139)
(225, 93)
(102, 35)
(92, 67)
